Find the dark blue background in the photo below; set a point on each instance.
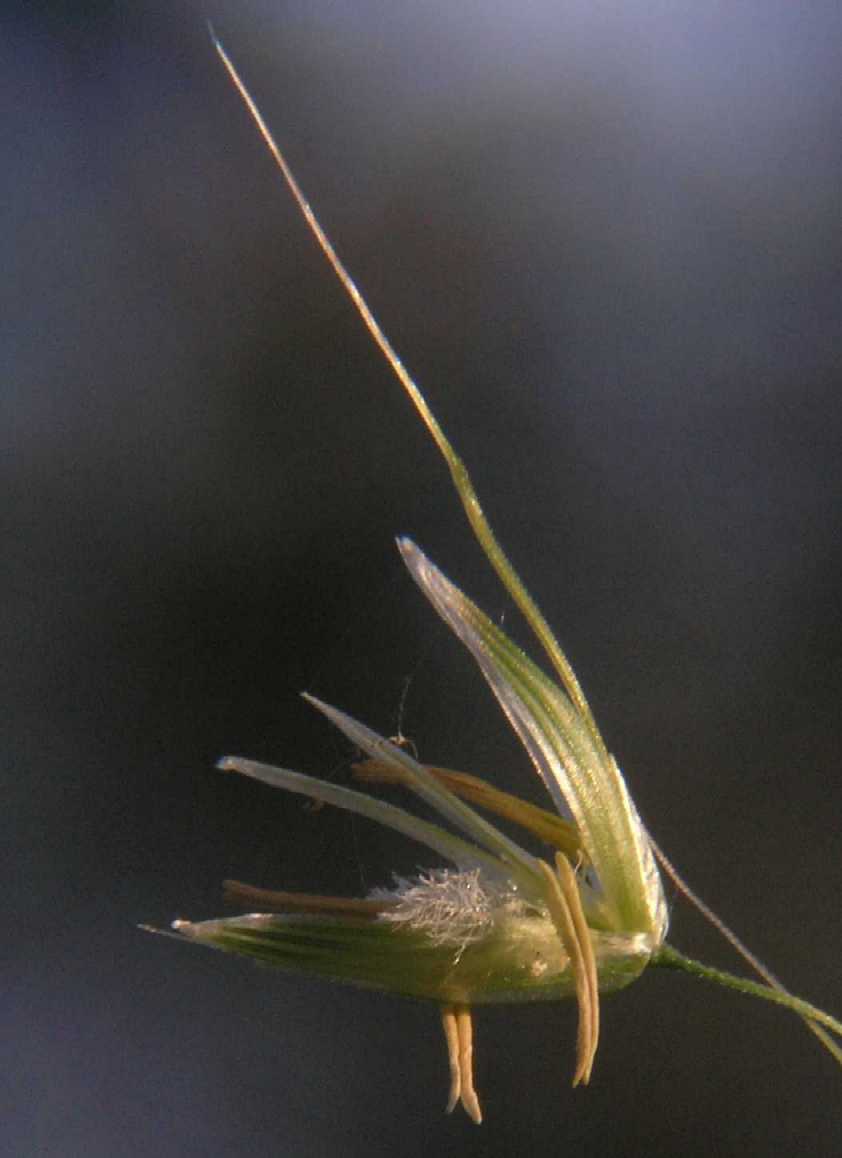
(606, 239)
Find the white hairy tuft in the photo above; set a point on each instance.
(451, 908)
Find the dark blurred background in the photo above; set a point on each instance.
(606, 240)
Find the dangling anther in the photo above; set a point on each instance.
(451, 1036)
(567, 879)
(565, 908)
(459, 1035)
